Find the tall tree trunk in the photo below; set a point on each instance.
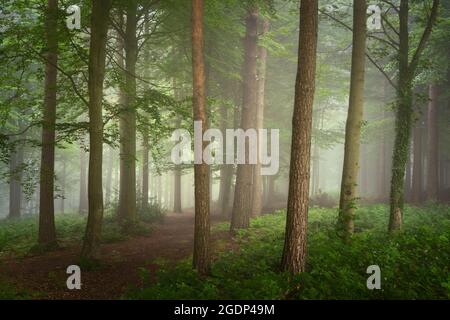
(261, 83)
(243, 191)
(404, 113)
(432, 144)
(83, 208)
(347, 204)
(402, 125)
(97, 55)
(294, 252)
(201, 257)
(47, 231)
(127, 193)
(15, 182)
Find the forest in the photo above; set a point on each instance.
(225, 150)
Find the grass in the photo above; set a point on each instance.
(414, 263)
(18, 237)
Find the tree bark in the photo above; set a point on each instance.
(127, 193)
(242, 205)
(261, 82)
(349, 197)
(97, 55)
(432, 144)
(47, 231)
(404, 113)
(294, 253)
(201, 256)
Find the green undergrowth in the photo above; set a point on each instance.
(18, 237)
(414, 263)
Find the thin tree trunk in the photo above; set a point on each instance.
(83, 208)
(403, 124)
(201, 257)
(109, 176)
(15, 184)
(347, 205)
(243, 191)
(261, 83)
(97, 55)
(127, 193)
(294, 252)
(404, 114)
(177, 180)
(63, 185)
(416, 196)
(432, 144)
(145, 164)
(47, 231)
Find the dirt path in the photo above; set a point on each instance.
(46, 274)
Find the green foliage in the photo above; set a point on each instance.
(10, 292)
(414, 263)
(152, 212)
(19, 237)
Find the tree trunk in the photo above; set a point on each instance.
(243, 191)
(294, 253)
(348, 199)
(261, 83)
(47, 231)
(416, 196)
(63, 185)
(83, 208)
(402, 125)
(201, 257)
(432, 144)
(145, 165)
(177, 180)
(127, 193)
(15, 182)
(109, 176)
(404, 114)
(97, 55)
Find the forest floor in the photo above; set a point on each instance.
(44, 275)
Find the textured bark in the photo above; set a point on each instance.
(83, 207)
(294, 253)
(242, 205)
(348, 199)
(201, 257)
(432, 144)
(47, 231)
(97, 55)
(127, 193)
(404, 112)
(261, 77)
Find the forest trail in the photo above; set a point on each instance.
(171, 240)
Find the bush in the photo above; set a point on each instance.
(414, 263)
